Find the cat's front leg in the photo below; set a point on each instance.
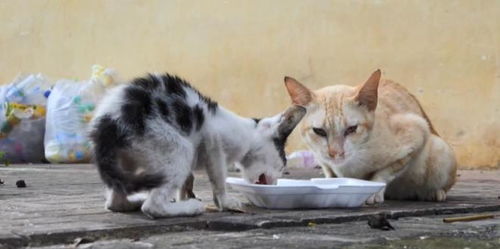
(327, 171)
(376, 198)
(225, 202)
(216, 169)
(186, 192)
(387, 175)
(217, 176)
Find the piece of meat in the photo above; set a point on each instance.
(262, 180)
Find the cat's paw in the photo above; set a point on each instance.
(229, 203)
(376, 198)
(124, 205)
(440, 195)
(151, 211)
(379, 197)
(195, 207)
(370, 200)
(191, 207)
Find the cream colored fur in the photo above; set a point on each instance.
(393, 140)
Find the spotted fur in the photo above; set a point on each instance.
(151, 133)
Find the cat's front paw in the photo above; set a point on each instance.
(228, 203)
(376, 198)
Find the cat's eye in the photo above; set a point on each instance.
(320, 132)
(350, 130)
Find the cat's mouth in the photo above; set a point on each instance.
(337, 160)
(262, 180)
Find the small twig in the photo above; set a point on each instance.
(469, 218)
(212, 208)
(79, 241)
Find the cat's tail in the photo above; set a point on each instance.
(108, 138)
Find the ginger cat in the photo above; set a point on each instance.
(376, 131)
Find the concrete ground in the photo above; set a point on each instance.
(62, 206)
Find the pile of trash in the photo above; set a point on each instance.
(44, 121)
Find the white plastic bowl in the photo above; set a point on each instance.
(313, 193)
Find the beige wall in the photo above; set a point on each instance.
(446, 52)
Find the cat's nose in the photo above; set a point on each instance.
(332, 153)
(335, 153)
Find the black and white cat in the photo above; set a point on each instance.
(150, 134)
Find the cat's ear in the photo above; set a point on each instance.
(290, 119)
(368, 93)
(299, 94)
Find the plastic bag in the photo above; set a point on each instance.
(301, 159)
(69, 111)
(22, 119)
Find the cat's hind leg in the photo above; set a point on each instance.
(431, 175)
(441, 169)
(411, 133)
(186, 192)
(159, 204)
(117, 201)
(440, 195)
(176, 167)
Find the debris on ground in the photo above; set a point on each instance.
(79, 241)
(22, 119)
(468, 218)
(212, 208)
(69, 111)
(21, 184)
(35, 128)
(379, 221)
